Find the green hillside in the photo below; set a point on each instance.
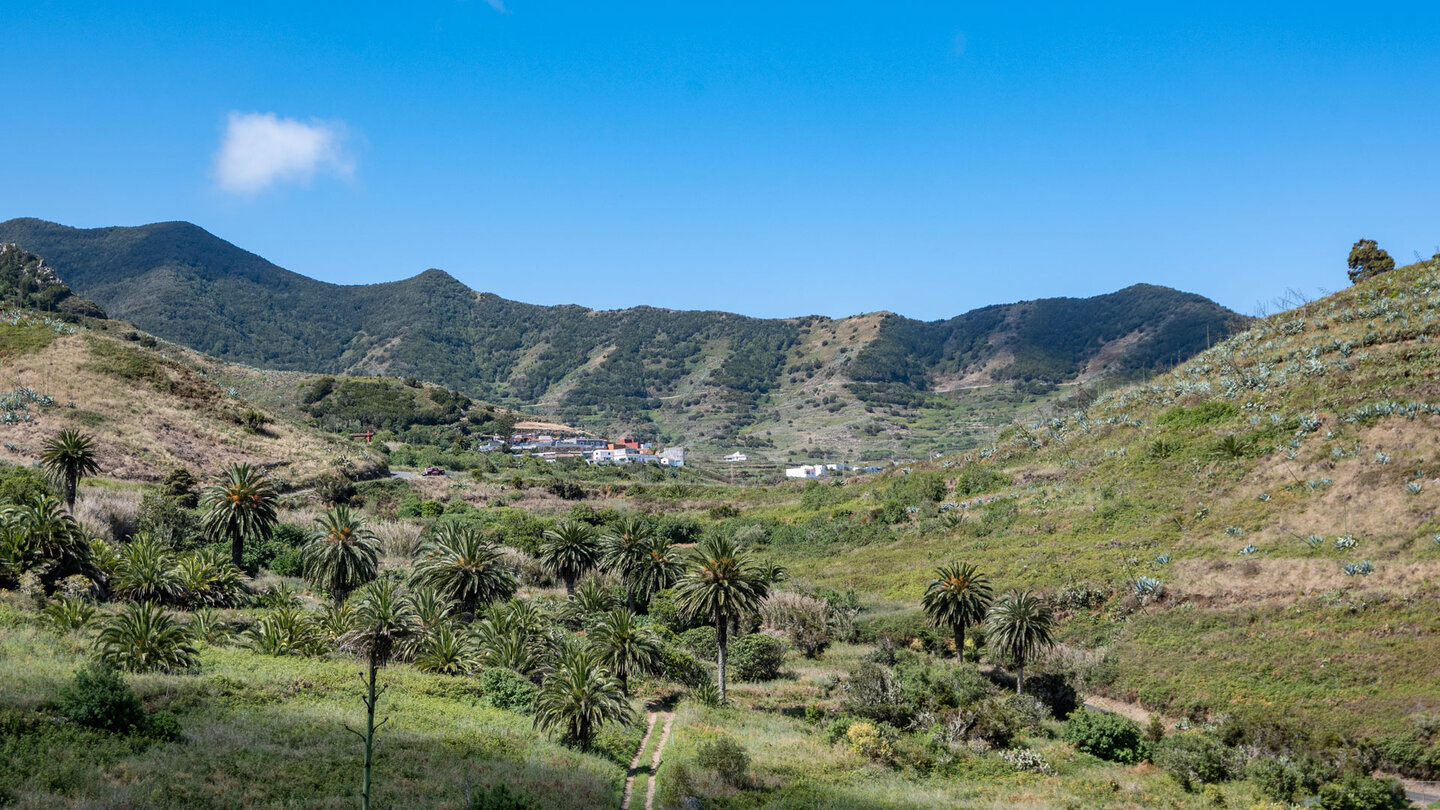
(807, 385)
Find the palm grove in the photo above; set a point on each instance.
(470, 601)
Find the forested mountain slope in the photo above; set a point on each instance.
(710, 378)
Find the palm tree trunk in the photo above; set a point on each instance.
(624, 679)
(1020, 678)
(960, 643)
(72, 481)
(721, 628)
(570, 587)
(237, 549)
(369, 737)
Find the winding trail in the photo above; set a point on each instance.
(635, 763)
(655, 763)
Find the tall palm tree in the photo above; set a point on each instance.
(957, 597)
(569, 550)
(343, 555)
(623, 551)
(69, 457)
(623, 644)
(240, 505)
(578, 697)
(384, 621)
(660, 568)
(465, 567)
(1019, 626)
(722, 585)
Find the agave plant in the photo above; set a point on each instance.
(146, 572)
(143, 638)
(579, 697)
(208, 578)
(466, 568)
(286, 630)
(209, 627)
(69, 614)
(445, 651)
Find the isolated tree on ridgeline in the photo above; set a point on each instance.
(626, 646)
(385, 620)
(462, 565)
(568, 551)
(343, 555)
(957, 597)
(69, 457)
(722, 585)
(240, 506)
(1019, 626)
(1368, 260)
(623, 550)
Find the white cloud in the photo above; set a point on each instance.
(262, 149)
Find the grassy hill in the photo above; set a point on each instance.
(788, 389)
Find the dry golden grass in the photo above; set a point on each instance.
(143, 427)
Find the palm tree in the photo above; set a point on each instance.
(41, 535)
(143, 638)
(958, 596)
(241, 504)
(69, 457)
(343, 555)
(384, 621)
(465, 567)
(1019, 626)
(444, 650)
(658, 569)
(578, 697)
(722, 585)
(625, 645)
(624, 549)
(568, 551)
(147, 572)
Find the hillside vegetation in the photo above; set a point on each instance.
(801, 387)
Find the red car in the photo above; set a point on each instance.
(433, 471)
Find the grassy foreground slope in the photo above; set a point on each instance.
(1257, 531)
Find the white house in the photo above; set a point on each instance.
(673, 457)
(808, 471)
(737, 457)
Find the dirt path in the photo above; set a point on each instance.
(655, 763)
(635, 763)
(1418, 792)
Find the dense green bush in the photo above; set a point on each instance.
(872, 692)
(1192, 758)
(1107, 736)
(727, 757)
(664, 611)
(756, 657)
(1360, 792)
(702, 641)
(99, 698)
(501, 797)
(506, 689)
(681, 667)
(1284, 779)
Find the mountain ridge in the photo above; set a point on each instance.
(695, 376)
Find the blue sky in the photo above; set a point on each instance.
(773, 159)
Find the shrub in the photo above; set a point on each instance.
(727, 757)
(873, 693)
(681, 667)
(757, 657)
(867, 740)
(506, 689)
(702, 641)
(100, 698)
(1195, 758)
(706, 694)
(1282, 779)
(802, 619)
(161, 726)
(1359, 792)
(663, 611)
(1056, 690)
(69, 614)
(1107, 736)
